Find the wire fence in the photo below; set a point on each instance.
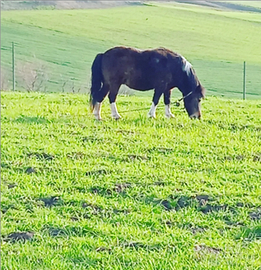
(220, 78)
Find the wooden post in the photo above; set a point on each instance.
(244, 81)
(13, 65)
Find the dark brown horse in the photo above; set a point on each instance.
(159, 69)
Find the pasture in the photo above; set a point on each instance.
(65, 42)
(131, 194)
(136, 193)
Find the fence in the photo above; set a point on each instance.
(220, 78)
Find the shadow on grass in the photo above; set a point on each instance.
(202, 203)
(250, 233)
(72, 231)
(32, 120)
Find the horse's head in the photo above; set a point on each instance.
(192, 90)
(192, 102)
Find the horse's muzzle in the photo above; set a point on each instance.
(195, 115)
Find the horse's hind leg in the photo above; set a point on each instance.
(167, 104)
(99, 97)
(112, 98)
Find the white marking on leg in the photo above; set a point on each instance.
(97, 110)
(152, 111)
(168, 112)
(114, 111)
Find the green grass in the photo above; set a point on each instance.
(128, 194)
(66, 42)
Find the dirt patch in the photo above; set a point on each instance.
(135, 245)
(257, 157)
(196, 230)
(30, 170)
(208, 208)
(57, 232)
(41, 156)
(161, 150)
(103, 249)
(51, 201)
(202, 203)
(126, 132)
(19, 236)
(237, 157)
(12, 185)
(137, 157)
(121, 211)
(122, 187)
(98, 172)
(91, 139)
(160, 183)
(76, 155)
(166, 205)
(256, 215)
(101, 190)
(184, 201)
(206, 249)
(91, 209)
(6, 207)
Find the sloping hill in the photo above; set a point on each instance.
(62, 44)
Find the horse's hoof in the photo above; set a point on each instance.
(98, 118)
(170, 115)
(116, 117)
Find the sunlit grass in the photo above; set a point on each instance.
(130, 194)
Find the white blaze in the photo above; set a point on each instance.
(187, 66)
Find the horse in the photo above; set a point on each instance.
(160, 69)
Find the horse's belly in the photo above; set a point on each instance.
(139, 87)
(140, 84)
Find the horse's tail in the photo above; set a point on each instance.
(97, 79)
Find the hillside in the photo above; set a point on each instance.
(135, 194)
(61, 44)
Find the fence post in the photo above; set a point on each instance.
(244, 81)
(13, 65)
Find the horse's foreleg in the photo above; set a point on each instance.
(112, 99)
(152, 111)
(114, 111)
(155, 101)
(167, 104)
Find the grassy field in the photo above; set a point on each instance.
(130, 194)
(65, 42)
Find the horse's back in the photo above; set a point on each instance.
(139, 69)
